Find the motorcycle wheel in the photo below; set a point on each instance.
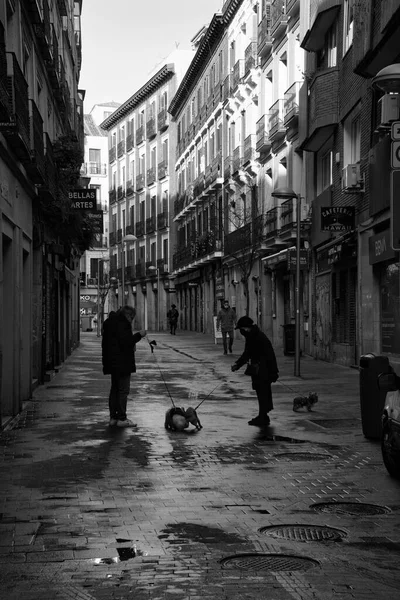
(390, 454)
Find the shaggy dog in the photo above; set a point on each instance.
(178, 419)
(308, 401)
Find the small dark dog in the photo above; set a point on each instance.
(178, 419)
(308, 401)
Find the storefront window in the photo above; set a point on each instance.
(390, 308)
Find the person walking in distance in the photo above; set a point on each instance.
(118, 357)
(172, 316)
(226, 319)
(262, 366)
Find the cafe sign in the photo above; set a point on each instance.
(337, 218)
(291, 258)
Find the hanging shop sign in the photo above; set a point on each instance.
(337, 218)
(304, 259)
(96, 218)
(219, 288)
(83, 199)
(380, 248)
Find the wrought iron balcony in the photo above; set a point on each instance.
(237, 240)
(112, 238)
(16, 128)
(49, 189)
(250, 57)
(150, 224)
(264, 37)
(288, 215)
(140, 269)
(129, 142)
(208, 175)
(162, 120)
(291, 105)
(43, 32)
(162, 266)
(112, 154)
(228, 167)
(237, 160)
(94, 168)
(179, 204)
(129, 187)
(227, 87)
(139, 135)
(263, 144)
(139, 227)
(36, 165)
(130, 230)
(35, 10)
(120, 192)
(276, 126)
(151, 176)
(52, 65)
(112, 196)
(278, 18)
(119, 236)
(249, 149)
(62, 7)
(162, 169)
(121, 148)
(130, 273)
(162, 220)
(238, 73)
(151, 128)
(140, 181)
(271, 223)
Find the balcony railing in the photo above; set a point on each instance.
(119, 236)
(49, 189)
(276, 127)
(198, 248)
(237, 159)
(262, 142)
(162, 169)
(16, 128)
(112, 196)
(228, 167)
(179, 204)
(162, 120)
(162, 220)
(139, 227)
(129, 142)
(250, 57)
(140, 269)
(199, 186)
(120, 192)
(288, 214)
(238, 73)
(36, 166)
(240, 239)
(278, 17)
(151, 128)
(291, 103)
(150, 224)
(264, 37)
(140, 181)
(93, 168)
(139, 135)
(249, 148)
(130, 230)
(121, 148)
(43, 32)
(151, 175)
(162, 265)
(112, 154)
(112, 238)
(129, 187)
(271, 223)
(227, 87)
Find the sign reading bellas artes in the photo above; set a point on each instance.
(83, 199)
(337, 218)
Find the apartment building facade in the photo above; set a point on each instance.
(41, 141)
(95, 262)
(141, 146)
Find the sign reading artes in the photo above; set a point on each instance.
(83, 199)
(337, 218)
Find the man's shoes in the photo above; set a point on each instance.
(126, 423)
(113, 422)
(260, 421)
(225, 352)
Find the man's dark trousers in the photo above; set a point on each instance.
(120, 386)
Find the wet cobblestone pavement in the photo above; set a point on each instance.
(303, 509)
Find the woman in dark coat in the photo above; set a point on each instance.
(118, 354)
(258, 351)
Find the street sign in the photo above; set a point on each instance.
(396, 131)
(396, 155)
(83, 199)
(395, 209)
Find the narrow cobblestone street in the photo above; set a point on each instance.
(301, 510)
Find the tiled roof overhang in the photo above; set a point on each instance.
(165, 73)
(213, 35)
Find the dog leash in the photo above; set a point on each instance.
(204, 399)
(152, 344)
(290, 388)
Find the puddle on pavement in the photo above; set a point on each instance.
(281, 438)
(124, 554)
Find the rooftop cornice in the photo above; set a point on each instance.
(165, 73)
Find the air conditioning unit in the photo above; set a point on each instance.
(388, 110)
(351, 177)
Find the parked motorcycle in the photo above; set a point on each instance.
(390, 439)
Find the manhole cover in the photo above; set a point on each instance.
(268, 562)
(350, 508)
(304, 533)
(302, 456)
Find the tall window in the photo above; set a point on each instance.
(326, 170)
(348, 9)
(352, 137)
(356, 139)
(332, 46)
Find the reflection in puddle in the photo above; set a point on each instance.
(123, 555)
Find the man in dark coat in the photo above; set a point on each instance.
(172, 316)
(258, 351)
(118, 354)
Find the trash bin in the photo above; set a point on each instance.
(372, 399)
(289, 339)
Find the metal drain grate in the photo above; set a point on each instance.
(311, 456)
(350, 508)
(268, 562)
(304, 533)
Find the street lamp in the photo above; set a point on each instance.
(128, 238)
(157, 270)
(286, 193)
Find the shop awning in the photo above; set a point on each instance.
(278, 257)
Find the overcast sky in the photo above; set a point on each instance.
(123, 40)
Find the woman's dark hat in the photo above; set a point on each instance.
(244, 322)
